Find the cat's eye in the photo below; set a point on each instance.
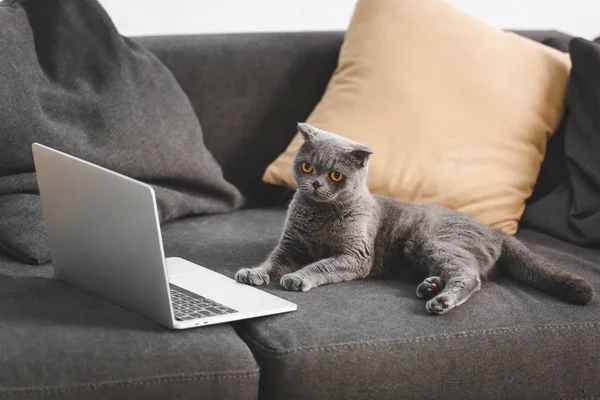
(306, 167)
(336, 176)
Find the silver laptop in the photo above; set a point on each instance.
(105, 238)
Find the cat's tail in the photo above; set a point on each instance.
(525, 266)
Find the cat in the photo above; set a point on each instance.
(336, 231)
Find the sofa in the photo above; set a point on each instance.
(369, 339)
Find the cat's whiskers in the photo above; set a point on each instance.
(333, 210)
(339, 207)
(336, 208)
(287, 192)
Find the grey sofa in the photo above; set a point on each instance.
(359, 340)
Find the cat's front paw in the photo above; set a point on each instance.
(295, 282)
(252, 276)
(440, 304)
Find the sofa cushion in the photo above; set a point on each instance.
(571, 210)
(373, 338)
(57, 342)
(70, 81)
(552, 171)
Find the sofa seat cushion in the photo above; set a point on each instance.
(373, 338)
(57, 342)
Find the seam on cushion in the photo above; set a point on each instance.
(10, 252)
(579, 398)
(88, 387)
(424, 339)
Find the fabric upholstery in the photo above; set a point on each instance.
(57, 342)
(457, 112)
(239, 86)
(60, 340)
(552, 171)
(571, 210)
(249, 90)
(374, 339)
(70, 81)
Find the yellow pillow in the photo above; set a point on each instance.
(457, 112)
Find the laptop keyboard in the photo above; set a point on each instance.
(188, 305)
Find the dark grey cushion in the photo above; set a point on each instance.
(373, 338)
(70, 81)
(556, 39)
(553, 171)
(57, 342)
(571, 211)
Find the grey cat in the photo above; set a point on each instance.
(337, 231)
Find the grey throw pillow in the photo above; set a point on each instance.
(571, 210)
(70, 81)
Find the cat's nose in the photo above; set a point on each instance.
(316, 184)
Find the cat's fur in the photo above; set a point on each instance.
(339, 232)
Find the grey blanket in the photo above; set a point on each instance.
(70, 81)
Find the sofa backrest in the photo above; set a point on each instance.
(249, 90)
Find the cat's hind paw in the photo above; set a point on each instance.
(295, 282)
(252, 276)
(439, 305)
(430, 287)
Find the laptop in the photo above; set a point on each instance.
(105, 238)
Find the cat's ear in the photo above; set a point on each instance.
(361, 154)
(309, 132)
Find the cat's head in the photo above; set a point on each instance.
(328, 167)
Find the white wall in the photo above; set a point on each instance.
(152, 17)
